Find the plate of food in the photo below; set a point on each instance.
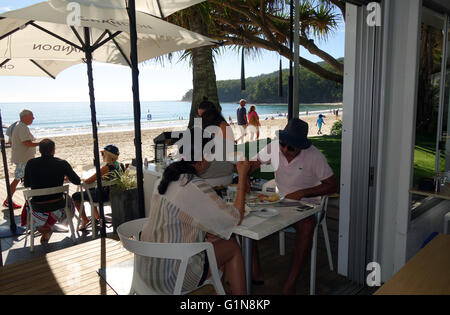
(263, 199)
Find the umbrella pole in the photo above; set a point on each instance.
(13, 227)
(136, 106)
(88, 53)
(291, 78)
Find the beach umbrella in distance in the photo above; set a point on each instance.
(24, 67)
(43, 31)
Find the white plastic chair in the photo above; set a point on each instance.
(92, 204)
(28, 194)
(446, 221)
(321, 221)
(129, 235)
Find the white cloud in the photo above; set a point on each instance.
(3, 9)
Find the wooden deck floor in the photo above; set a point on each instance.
(68, 271)
(49, 269)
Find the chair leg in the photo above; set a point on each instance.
(94, 227)
(70, 221)
(327, 243)
(31, 233)
(282, 243)
(27, 228)
(312, 284)
(446, 221)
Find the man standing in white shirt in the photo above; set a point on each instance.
(23, 149)
(301, 173)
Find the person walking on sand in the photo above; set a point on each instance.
(253, 121)
(241, 114)
(23, 149)
(319, 124)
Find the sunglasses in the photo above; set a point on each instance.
(290, 148)
(102, 153)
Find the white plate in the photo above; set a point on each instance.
(265, 212)
(252, 199)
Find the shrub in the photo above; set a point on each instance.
(336, 129)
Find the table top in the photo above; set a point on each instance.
(426, 273)
(444, 193)
(257, 228)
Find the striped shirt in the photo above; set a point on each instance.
(184, 214)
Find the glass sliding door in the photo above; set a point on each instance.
(429, 116)
(445, 94)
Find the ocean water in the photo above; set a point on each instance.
(71, 118)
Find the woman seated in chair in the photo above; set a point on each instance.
(220, 172)
(110, 154)
(185, 209)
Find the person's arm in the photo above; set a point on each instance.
(30, 143)
(103, 171)
(71, 175)
(329, 186)
(243, 168)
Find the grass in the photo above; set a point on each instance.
(330, 146)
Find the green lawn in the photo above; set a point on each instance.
(330, 146)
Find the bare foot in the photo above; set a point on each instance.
(46, 232)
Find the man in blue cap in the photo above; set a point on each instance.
(301, 173)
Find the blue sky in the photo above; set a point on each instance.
(157, 82)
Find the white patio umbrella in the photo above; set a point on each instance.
(158, 8)
(41, 32)
(34, 68)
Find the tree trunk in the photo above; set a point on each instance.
(204, 76)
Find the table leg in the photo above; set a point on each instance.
(247, 253)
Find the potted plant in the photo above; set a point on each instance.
(124, 198)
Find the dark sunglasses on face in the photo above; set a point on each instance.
(102, 153)
(292, 149)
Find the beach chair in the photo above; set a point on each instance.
(129, 233)
(28, 194)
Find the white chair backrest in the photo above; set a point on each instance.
(129, 236)
(323, 209)
(94, 184)
(46, 191)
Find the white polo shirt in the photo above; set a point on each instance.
(306, 170)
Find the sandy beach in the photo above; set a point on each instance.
(78, 150)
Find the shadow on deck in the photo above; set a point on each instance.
(275, 267)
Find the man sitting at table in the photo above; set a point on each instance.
(301, 173)
(46, 172)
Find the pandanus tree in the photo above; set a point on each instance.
(259, 24)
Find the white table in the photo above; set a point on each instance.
(256, 228)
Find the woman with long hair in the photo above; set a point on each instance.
(253, 121)
(186, 209)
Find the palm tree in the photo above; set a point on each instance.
(253, 25)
